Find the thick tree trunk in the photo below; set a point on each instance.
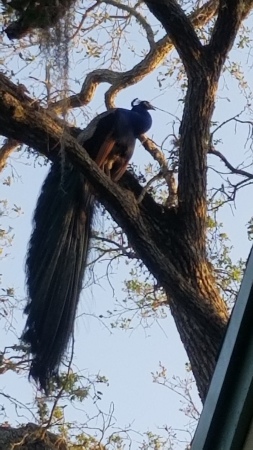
(201, 328)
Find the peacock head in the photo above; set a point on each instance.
(136, 103)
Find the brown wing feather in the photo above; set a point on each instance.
(120, 170)
(104, 151)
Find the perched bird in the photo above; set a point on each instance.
(59, 245)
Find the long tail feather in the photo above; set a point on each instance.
(56, 261)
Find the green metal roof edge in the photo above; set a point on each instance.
(228, 408)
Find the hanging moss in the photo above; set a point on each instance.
(52, 20)
(55, 46)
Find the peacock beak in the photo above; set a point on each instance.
(151, 106)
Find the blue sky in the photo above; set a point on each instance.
(125, 358)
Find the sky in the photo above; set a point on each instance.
(126, 358)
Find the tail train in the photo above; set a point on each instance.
(56, 261)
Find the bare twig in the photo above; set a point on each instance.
(133, 12)
(9, 147)
(227, 121)
(147, 186)
(168, 174)
(233, 169)
(85, 15)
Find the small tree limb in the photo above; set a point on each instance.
(7, 149)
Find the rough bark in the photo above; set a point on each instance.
(30, 437)
(6, 151)
(34, 437)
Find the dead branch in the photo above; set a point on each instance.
(233, 169)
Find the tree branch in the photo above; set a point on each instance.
(233, 169)
(231, 13)
(30, 437)
(8, 147)
(181, 32)
(119, 80)
(165, 172)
